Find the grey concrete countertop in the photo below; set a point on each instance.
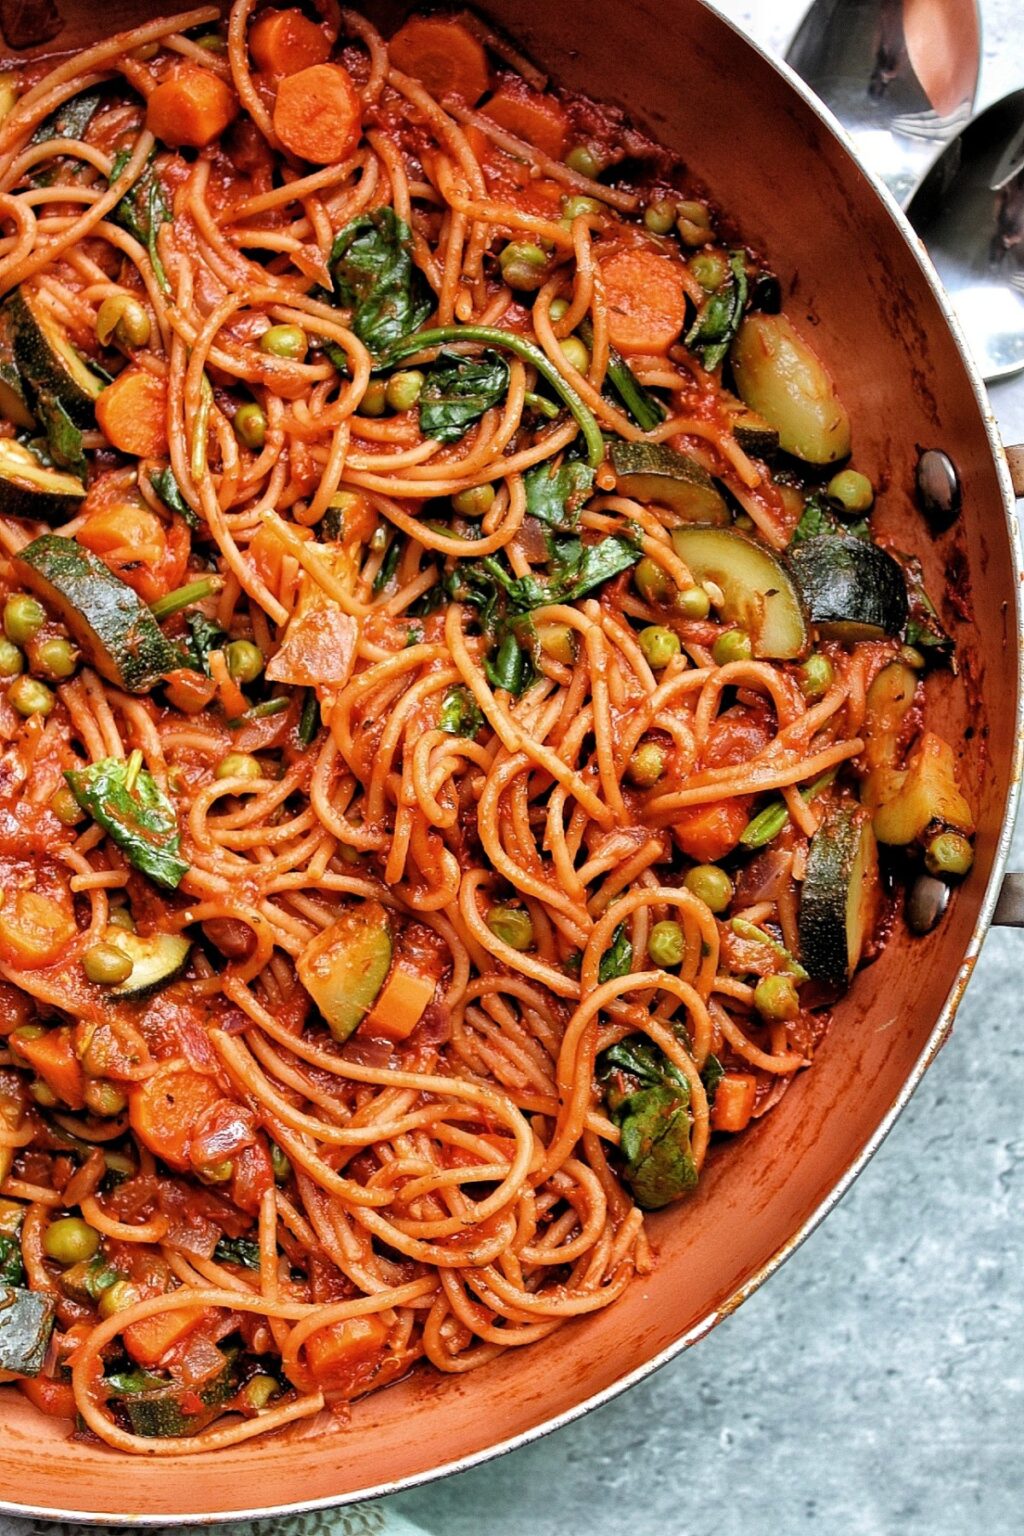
(875, 1384)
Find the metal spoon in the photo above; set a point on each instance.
(900, 76)
(969, 211)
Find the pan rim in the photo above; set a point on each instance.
(936, 1039)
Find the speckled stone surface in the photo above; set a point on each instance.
(876, 1384)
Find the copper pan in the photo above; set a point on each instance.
(854, 272)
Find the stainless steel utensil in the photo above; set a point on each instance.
(900, 76)
(969, 211)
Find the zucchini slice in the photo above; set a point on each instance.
(778, 375)
(655, 472)
(26, 1322)
(14, 405)
(46, 358)
(110, 622)
(758, 592)
(852, 589)
(157, 960)
(344, 968)
(754, 434)
(159, 1409)
(29, 489)
(890, 699)
(839, 899)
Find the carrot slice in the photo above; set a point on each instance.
(443, 56)
(339, 1349)
(708, 832)
(400, 1005)
(54, 1398)
(734, 1102)
(34, 929)
(283, 42)
(318, 114)
(148, 1340)
(191, 107)
(645, 298)
(165, 1109)
(52, 1057)
(530, 115)
(132, 414)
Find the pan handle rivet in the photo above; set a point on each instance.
(927, 900)
(938, 488)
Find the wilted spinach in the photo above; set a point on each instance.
(374, 275)
(12, 1271)
(718, 318)
(457, 392)
(618, 957)
(555, 496)
(924, 627)
(244, 1251)
(63, 438)
(167, 488)
(125, 800)
(818, 518)
(510, 666)
(646, 409)
(649, 1100)
(204, 636)
(143, 210)
(460, 714)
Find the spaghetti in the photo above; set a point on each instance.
(430, 809)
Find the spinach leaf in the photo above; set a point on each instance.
(12, 1271)
(649, 1100)
(203, 637)
(244, 1251)
(389, 564)
(576, 569)
(143, 210)
(309, 720)
(555, 496)
(711, 1076)
(718, 318)
(125, 800)
(579, 568)
(618, 957)
(815, 520)
(510, 668)
(457, 392)
(924, 627)
(129, 1383)
(167, 488)
(70, 120)
(646, 409)
(63, 439)
(460, 714)
(373, 273)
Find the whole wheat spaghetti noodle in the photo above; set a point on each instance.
(433, 812)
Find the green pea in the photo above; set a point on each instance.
(55, 658)
(43, 1094)
(775, 997)
(70, 1240)
(476, 502)
(212, 42)
(912, 657)
(106, 965)
(117, 1298)
(280, 1162)
(693, 223)
(512, 925)
(732, 645)
(659, 645)
(120, 917)
(710, 268)
(217, 1173)
(816, 675)
(950, 853)
(238, 765)
(24, 617)
(122, 318)
(30, 697)
(404, 389)
(646, 765)
(659, 217)
(26, 1032)
(576, 354)
(259, 1390)
(65, 807)
(851, 491)
(523, 266)
(11, 660)
(744, 522)
(287, 341)
(666, 945)
(557, 309)
(250, 424)
(652, 582)
(582, 159)
(245, 660)
(557, 641)
(575, 206)
(104, 1099)
(710, 885)
(693, 603)
(375, 399)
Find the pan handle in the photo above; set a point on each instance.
(1015, 461)
(1009, 911)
